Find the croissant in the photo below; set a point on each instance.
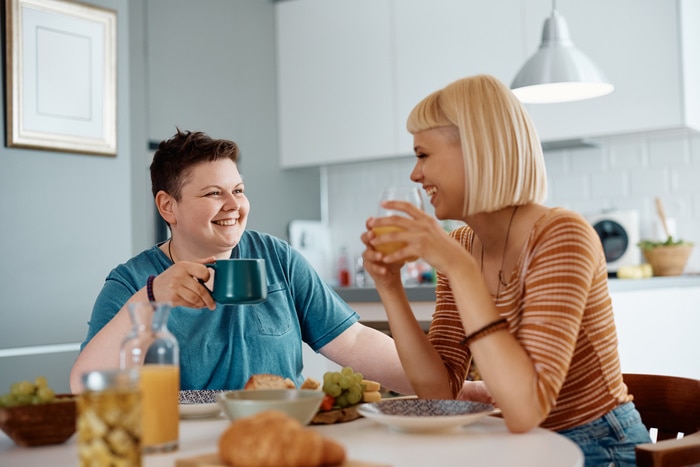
(273, 439)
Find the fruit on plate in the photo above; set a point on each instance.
(345, 390)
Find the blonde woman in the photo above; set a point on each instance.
(522, 288)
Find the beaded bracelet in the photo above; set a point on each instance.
(149, 288)
(485, 331)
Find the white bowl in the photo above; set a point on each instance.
(301, 404)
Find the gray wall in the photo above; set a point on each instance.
(67, 219)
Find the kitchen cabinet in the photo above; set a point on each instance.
(349, 72)
(336, 95)
(644, 48)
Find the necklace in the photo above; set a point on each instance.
(503, 257)
(170, 252)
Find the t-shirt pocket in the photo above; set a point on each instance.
(274, 315)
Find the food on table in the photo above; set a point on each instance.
(268, 381)
(27, 392)
(343, 389)
(274, 438)
(640, 271)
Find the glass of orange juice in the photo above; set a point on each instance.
(399, 193)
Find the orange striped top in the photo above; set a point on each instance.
(558, 306)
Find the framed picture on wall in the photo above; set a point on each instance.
(61, 76)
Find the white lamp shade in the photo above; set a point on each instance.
(559, 72)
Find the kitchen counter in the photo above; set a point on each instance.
(426, 293)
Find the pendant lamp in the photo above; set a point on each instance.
(558, 71)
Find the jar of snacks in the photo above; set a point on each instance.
(109, 419)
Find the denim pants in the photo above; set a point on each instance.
(610, 440)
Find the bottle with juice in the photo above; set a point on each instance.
(152, 349)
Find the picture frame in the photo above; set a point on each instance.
(61, 69)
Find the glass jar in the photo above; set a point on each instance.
(152, 349)
(109, 419)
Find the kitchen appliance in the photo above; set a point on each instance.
(313, 240)
(619, 234)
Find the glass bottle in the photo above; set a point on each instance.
(152, 349)
(109, 419)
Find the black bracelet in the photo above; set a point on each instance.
(149, 288)
(485, 331)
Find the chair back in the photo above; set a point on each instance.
(669, 403)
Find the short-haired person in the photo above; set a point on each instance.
(200, 193)
(522, 288)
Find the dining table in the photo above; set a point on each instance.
(485, 442)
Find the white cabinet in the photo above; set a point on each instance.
(657, 330)
(336, 95)
(640, 46)
(349, 72)
(440, 41)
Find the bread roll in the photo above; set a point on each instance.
(268, 381)
(272, 438)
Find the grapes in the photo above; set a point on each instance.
(26, 392)
(344, 386)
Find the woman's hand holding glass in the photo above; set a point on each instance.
(405, 194)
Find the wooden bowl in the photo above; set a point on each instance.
(37, 425)
(668, 260)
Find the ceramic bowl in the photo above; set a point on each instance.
(301, 404)
(40, 424)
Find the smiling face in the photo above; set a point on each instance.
(440, 170)
(212, 212)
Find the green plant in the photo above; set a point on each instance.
(651, 244)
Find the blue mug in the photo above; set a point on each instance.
(239, 281)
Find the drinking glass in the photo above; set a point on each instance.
(397, 193)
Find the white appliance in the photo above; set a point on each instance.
(619, 234)
(313, 240)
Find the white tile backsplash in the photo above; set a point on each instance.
(625, 172)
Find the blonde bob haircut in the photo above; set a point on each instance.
(503, 160)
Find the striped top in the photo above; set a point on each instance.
(558, 306)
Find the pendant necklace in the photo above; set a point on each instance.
(503, 258)
(170, 253)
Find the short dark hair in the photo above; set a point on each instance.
(175, 157)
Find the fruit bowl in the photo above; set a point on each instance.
(667, 260)
(40, 424)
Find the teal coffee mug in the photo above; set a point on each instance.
(239, 281)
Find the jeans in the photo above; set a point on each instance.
(610, 440)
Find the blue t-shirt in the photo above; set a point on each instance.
(222, 348)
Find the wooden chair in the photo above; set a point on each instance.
(671, 405)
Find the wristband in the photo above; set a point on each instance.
(485, 331)
(149, 288)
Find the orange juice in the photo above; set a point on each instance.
(160, 388)
(388, 248)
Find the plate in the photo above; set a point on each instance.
(423, 415)
(199, 403)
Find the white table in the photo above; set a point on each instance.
(486, 442)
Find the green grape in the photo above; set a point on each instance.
(344, 385)
(26, 392)
(354, 398)
(45, 394)
(345, 382)
(25, 388)
(342, 401)
(41, 382)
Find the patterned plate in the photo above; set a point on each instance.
(199, 404)
(421, 415)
